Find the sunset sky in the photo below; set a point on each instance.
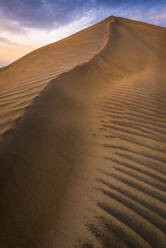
(28, 24)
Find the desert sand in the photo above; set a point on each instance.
(83, 141)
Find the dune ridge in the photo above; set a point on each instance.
(23, 80)
(85, 165)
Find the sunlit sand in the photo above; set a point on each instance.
(83, 141)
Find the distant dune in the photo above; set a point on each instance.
(83, 141)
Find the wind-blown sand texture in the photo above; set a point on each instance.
(83, 141)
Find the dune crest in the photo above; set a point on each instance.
(84, 167)
(23, 80)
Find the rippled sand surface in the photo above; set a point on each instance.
(83, 141)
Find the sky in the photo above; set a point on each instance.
(26, 25)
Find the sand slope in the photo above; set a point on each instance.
(85, 166)
(24, 79)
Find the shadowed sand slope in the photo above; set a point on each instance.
(85, 165)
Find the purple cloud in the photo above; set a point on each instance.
(48, 14)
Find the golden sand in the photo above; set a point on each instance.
(83, 141)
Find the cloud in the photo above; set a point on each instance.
(11, 26)
(6, 41)
(48, 14)
(42, 13)
(157, 16)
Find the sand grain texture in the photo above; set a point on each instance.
(83, 141)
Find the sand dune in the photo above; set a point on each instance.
(24, 79)
(83, 141)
